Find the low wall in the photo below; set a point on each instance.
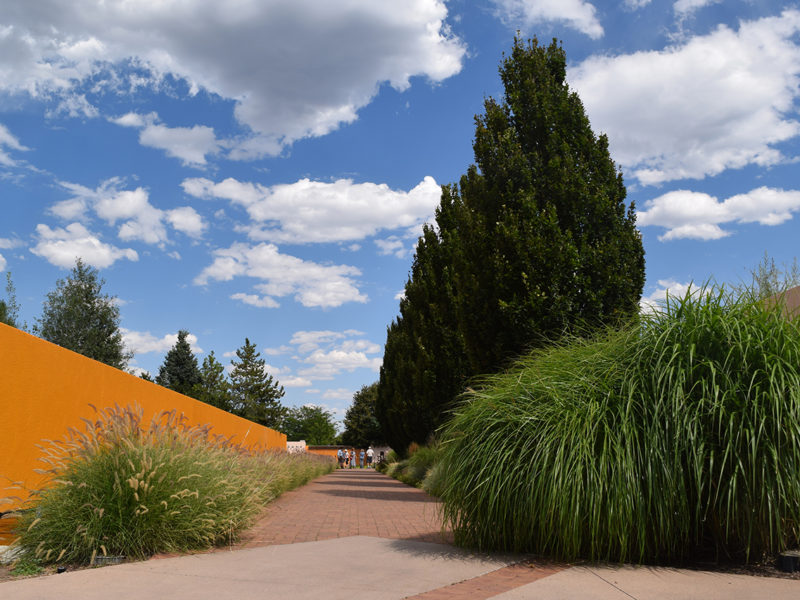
(45, 389)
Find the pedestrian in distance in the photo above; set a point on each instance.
(340, 458)
(361, 459)
(370, 454)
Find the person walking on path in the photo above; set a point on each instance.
(370, 453)
(340, 458)
(361, 459)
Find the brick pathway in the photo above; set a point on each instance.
(345, 503)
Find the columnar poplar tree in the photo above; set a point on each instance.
(361, 427)
(180, 372)
(255, 395)
(535, 240)
(79, 317)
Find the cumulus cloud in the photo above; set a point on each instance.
(190, 145)
(2, 263)
(138, 218)
(143, 342)
(695, 215)
(328, 353)
(338, 394)
(658, 297)
(8, 243)
(62, 246)
(314, 211)
(256, 300)
(715, 102)
(576, 14)
(293, 69)
(392, 245)
(294, 381)
(310, 283)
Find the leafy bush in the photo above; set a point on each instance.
(676, 436)
(414, 469)
(120, 489)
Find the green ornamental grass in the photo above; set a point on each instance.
(675, 437)
(118, 488)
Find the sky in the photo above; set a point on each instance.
(263, 168)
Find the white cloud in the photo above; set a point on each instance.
(400, 295)
(634, 4)
(392, 245)
(310, 283)
(291, 382)
(658, 297)
(61, 247)
(140, 220)
(2, 263)
(338, 394)
(314, 211)
(715, 102)
(294, 69)
(186, 220)
(308, 341)
(8, 243)
(329, 353)
(143, 342)
(8, 141)
(695, 215)
(685, 7)
(577, 14)
(256, 300)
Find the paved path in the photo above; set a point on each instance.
(355, 535)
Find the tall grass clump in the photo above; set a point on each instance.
(121, 488)
(673, 438)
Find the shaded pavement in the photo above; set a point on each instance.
(359, 534)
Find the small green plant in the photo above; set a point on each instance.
(26, 566)
(121, 488)
(414, 469)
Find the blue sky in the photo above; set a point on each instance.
(262, 168)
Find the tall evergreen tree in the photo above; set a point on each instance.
(179, 371)
(214, 387)
(255, 394)
(79, 317)
(361, 426)
(536, 239)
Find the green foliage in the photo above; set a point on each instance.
(26, 567)
(535, 240)
(79, 317)
(672, 438)
(768, 279)
(9, 309)
(179, 371)
(416, 469)
(361, 426)
(255, 395)
(121, 488)
(214, 388)
(311, 423)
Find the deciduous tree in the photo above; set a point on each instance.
(311, 423)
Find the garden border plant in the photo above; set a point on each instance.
(674, 438)
(119, 488)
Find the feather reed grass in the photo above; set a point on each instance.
(117, 487)
(674, 438)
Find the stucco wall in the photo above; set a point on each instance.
(44, 389)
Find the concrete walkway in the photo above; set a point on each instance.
(358, 534)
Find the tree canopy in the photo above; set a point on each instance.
(214, 388)
(313, 424)
(361, 426)
(535, 240)
(255, 395)
(9, 309)
(79, 317)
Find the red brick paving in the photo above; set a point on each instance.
(347, 503)
(491, 584)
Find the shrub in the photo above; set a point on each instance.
(117, 488)
(675, 436)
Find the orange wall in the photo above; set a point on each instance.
(44, 389)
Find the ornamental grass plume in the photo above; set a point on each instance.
(675, 437)
(117, 487)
